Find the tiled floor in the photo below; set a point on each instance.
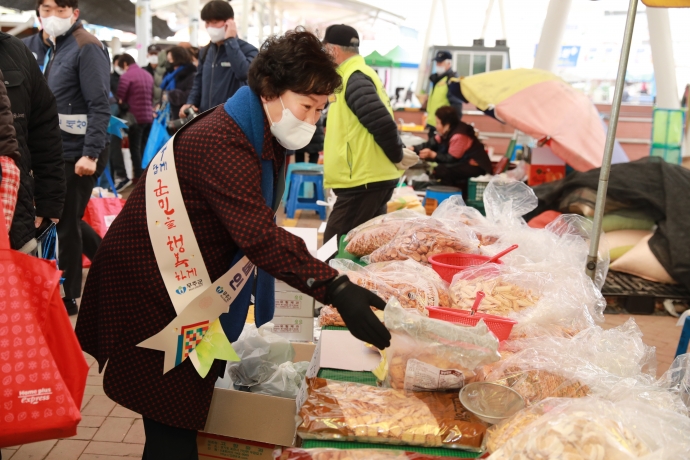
(111, 432)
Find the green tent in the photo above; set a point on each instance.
(401, 58)
(376, 60)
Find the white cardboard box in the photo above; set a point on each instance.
(294, 328)
(284, 287)
(294, 303)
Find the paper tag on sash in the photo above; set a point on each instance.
(73, 124)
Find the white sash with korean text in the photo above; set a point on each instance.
(182, 266)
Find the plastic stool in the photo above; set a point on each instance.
(440, 193)
(295, 202)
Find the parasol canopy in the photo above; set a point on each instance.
(543, 106)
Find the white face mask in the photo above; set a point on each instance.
(441, 69)
(153, 59)
(55, 26)
(291, 132)
(217, 34)
(119, 70)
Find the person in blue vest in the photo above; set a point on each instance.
(223, 64)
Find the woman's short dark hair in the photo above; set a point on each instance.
(125, 59)
(61, 3)
(448, 116)
(180, 56)
(217, 10)
(296, 61)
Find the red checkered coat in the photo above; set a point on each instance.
(125, 301)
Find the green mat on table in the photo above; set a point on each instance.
(450, 453)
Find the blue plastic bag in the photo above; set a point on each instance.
(158, 137)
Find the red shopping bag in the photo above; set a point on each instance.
(100, 213)
(42, 368)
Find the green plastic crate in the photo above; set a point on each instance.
(439, 452)
(475, 190)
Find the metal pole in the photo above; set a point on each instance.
(244, 22)
(272, 16)
(661, 43)
(592, 258)
(142, 22)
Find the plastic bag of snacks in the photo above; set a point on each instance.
(508, 290)
(377, 232)
(507, 200)
(285, 382)
(420, 239)
(591, 428)
(592, 362)
(352, 454)
(454, 209)
(415, 286)
(329, 316)
(354, 412)
(431, 355)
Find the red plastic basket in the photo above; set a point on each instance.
(448, 265)
(499, 325)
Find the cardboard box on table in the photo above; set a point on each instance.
(544, 167)
(254, 417)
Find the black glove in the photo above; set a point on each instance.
(353, 303)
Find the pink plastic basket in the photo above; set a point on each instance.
(448, 265)
(499, 325)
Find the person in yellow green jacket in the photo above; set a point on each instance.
(439, 96)
(363, 153)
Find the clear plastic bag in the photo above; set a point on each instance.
(591, 428)
(508, 290)
(676, 379)
(423, 238)
(507, 200)
(347, 411)
(294, 453)
(592, 362)
(414, 285)
(377, 232)
(432, 355)
(285, 382)
(261, 352)
(454, 209)
(329, 316)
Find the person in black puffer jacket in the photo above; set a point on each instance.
(179, 79)
(42, 174)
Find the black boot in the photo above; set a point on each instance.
(71, 306)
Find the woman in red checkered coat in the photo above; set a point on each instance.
(125, 300)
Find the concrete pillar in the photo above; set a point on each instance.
(142, 25)
(662, 57)
(244, 21)
(272, 16)
(423, 66)
(260, 21)
(194, 11)
(116, 46)
(446, 19)
(551, 39)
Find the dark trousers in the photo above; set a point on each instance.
(138, 136)
(353, 208)
(302, 153)
(164, 442)
(70, 227)
(117, 161)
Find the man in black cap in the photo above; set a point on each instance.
(363, 153)
(440, 97)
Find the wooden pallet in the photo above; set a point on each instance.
(639, 296)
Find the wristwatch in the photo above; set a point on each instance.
(92, 158)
